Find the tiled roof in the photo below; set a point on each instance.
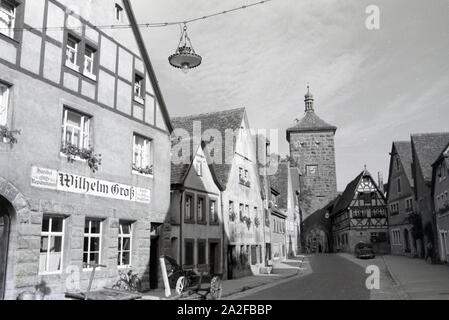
(311, 122)
(346, 198)
(279, 182)
(221, 121)
(404, 150)
(428, 147)
(318, 218)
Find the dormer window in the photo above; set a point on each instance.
(7, 18)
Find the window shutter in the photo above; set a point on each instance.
(86, 133)
(146, 154)
(64, 129)
(3, 104)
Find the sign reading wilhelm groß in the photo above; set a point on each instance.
(67, 182)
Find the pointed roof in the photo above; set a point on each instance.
(404, 150)
(279, 181)
(149, 67)
(221, 121)
(179, 171)
(310, 122)
(346, 198)
(428, 147)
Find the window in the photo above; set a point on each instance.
(72, 52)
(241, 177)
(201, 210)
(138, 89)
(92, 243)
(76, 129)
(213, 216)
(7, 18)
(242, 255)
(247, 211)
(189, 252)
(89, 60)
(142, 160)
(254, 255)
(241, 211)
(118, 13)
(312, 170)
(4, 101)
(396, 237)
(231, 208)
(398, 166)
(409, 205)
(52, 245)
(399, 185)
(394, 209)
(201, 252)
(125, 244)
(199, 168)
(188, 208)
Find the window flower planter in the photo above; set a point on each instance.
(257, 222)
(248, 222)
(8, 136)
(145, 171)
(73, 152)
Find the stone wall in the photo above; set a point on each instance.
(316, 148)
(25, 241)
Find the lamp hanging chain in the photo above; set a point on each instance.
(142, 25)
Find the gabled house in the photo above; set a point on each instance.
(278, 229)
(232, 152)
(403, 220)
(440, 196)
(360, 215)
(287, 182)
(196, 220)
(426, 148)
(77, 93)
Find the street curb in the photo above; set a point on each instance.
(276, 282)
(399, 287)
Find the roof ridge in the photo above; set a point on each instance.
(429, 134)
(209, 113)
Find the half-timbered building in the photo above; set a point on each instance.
(78, 94)
(360, 215)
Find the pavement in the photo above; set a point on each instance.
(282, 271)
(404, 278)
(389, 289)
(418, 279)
(328, 277)
(339, 277)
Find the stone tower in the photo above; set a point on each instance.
(312, 149)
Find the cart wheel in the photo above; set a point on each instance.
(181, 285)
(215, 288)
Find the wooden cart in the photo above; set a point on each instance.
(103, 294)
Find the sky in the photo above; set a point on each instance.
(376, 86)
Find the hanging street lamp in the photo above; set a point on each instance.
(185, 57)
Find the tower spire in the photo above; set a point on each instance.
(309, 100)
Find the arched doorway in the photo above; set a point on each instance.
(406, 241)
(5, 227)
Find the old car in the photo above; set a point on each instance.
(364, 251)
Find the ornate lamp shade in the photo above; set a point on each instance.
(185, 57)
